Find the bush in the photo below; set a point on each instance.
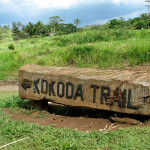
(11, 47)
(140, 25)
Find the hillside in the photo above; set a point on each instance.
(102, 49)
(109, 49)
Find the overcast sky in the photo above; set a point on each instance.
(88, 11)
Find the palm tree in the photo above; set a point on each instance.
(77, 22)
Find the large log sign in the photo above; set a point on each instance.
(126, 91)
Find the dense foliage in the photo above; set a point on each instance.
(140, 22)
(54, 27)
(57, 27)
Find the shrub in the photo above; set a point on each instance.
(11, 47)
(77, 52)
(140, 25)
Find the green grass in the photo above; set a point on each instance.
(113, 49)
(96, 49)
(7, 94)
(15, 103)
(49, 138)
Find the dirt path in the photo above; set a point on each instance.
(9, 85)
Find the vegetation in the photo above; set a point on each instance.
(114, 45)
(140, 22)
(99, 47)
(7, 94)
(11, 46)
(54, 27)
(77, 22)
(46, 137)
(54, 22)
(57, 27)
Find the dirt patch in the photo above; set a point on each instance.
(83, 119)
(9, 85)
(140, 68)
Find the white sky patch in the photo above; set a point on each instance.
(56, 4)
(135, 2)
(134, 14)
(33, 9)
(126, 17)
(5, 1)
(65, 4)
(101, 22)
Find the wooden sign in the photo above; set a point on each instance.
(125, 91)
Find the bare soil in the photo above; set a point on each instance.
(83, 119)
(9, 85)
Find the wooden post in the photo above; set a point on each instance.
(125, 91)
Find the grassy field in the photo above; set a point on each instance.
(101, 49)
(49, 138)
(95, 49)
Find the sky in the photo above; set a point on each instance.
(88, 11)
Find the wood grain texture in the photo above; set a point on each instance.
(125, 91)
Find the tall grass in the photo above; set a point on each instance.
(92, 48)
(94, 36)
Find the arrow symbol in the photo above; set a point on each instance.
(26, 84)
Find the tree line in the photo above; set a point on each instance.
(137, 23)
(141, 22)
(56, 26)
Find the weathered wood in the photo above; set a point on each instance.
(125, 91)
